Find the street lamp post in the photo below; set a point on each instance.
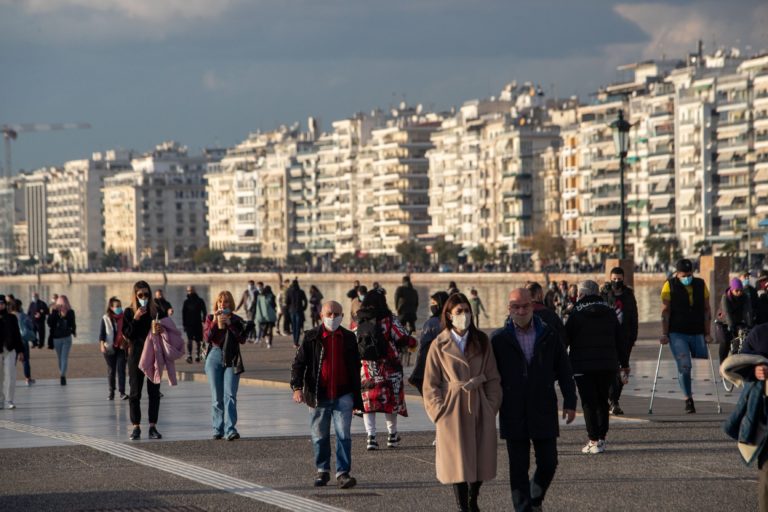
(620, 129)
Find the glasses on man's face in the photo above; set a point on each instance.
(519, 307)
(143, 295)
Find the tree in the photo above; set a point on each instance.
(479, 254)
(412, 252)
(206, 256)
(663, 249)
(549, 248)
(447, 252)
(111, 259)
(703, 247)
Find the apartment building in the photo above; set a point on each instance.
(155, 213)
(394, 181)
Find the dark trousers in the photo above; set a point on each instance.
(193, 339)
(136, 380)
(116, 368)
(617, 385)
(529, 493)
(40, 328)
(286, 320)
(297, 324)
(593, 390)
(762, 488)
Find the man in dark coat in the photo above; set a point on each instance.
(597, 350)
(38, 311)
(326, 376)
(407, 304)
(296, 304)
(547, 315)
(530, 357)
(193, 313)
(622, 299)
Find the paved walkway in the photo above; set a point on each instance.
(66, 448)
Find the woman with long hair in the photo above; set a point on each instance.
(62, 327)
(315, 305)
(462, 394)
(111, 345)
(224, 332)
(382, 375)
(138, 320)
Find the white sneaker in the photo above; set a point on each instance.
(11, 405)
(593, 447)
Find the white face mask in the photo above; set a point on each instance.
(461, 322)
(331, 324)
(143, 302)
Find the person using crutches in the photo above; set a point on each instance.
(686, 318)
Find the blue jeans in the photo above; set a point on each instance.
(684, 347)
(340, 410)
(27, 368)
(224, 383)
(297, 324)
(63, 346)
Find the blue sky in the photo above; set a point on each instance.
(207, 72)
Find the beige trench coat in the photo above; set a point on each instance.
(462, 394)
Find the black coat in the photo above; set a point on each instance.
(136, 331)
(529, 402)
(552, 319)
(296, 300)
(193, 313)
(407, 300)
(757, 341)
(62, 326)
(629, 321)
(595, 337)
(10, 332)
(38, 306)
(305, 371)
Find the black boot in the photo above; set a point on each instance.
(474, 492)
(461, 493)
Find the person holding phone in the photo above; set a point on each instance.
(224, 332)
(139, 318)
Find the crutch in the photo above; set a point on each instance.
(714, 379)
(655, 378)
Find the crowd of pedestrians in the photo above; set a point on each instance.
(578, 336)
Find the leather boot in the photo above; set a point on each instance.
(461, 493)
(474, 492)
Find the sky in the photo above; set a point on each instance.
(208, 72)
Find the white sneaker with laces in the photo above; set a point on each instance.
(593, 447)
(11, 405)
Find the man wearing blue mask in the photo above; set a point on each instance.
(685, 318)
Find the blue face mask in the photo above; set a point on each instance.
(117, 310)
(745, 282)
(686, 280)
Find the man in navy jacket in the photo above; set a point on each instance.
(531, 357)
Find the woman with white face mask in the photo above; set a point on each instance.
(462, 394)
(111, 345)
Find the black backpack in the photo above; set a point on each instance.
(371, 343)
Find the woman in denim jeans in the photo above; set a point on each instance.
(62, 324)
(686, 319)
(224, 332)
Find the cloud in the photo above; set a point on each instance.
(151, 11)
(674, 29)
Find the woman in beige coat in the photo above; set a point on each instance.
(462, 394)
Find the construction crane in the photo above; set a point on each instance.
(11, 132)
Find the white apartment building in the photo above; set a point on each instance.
(156, 212)
(394, 182)
(67, 203)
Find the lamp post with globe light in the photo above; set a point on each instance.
(620, 129)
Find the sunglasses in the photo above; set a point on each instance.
(142, 295)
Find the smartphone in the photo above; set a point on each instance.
(226, 312)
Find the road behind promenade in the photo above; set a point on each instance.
(67, 449)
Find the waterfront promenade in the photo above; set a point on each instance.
(66, 448)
